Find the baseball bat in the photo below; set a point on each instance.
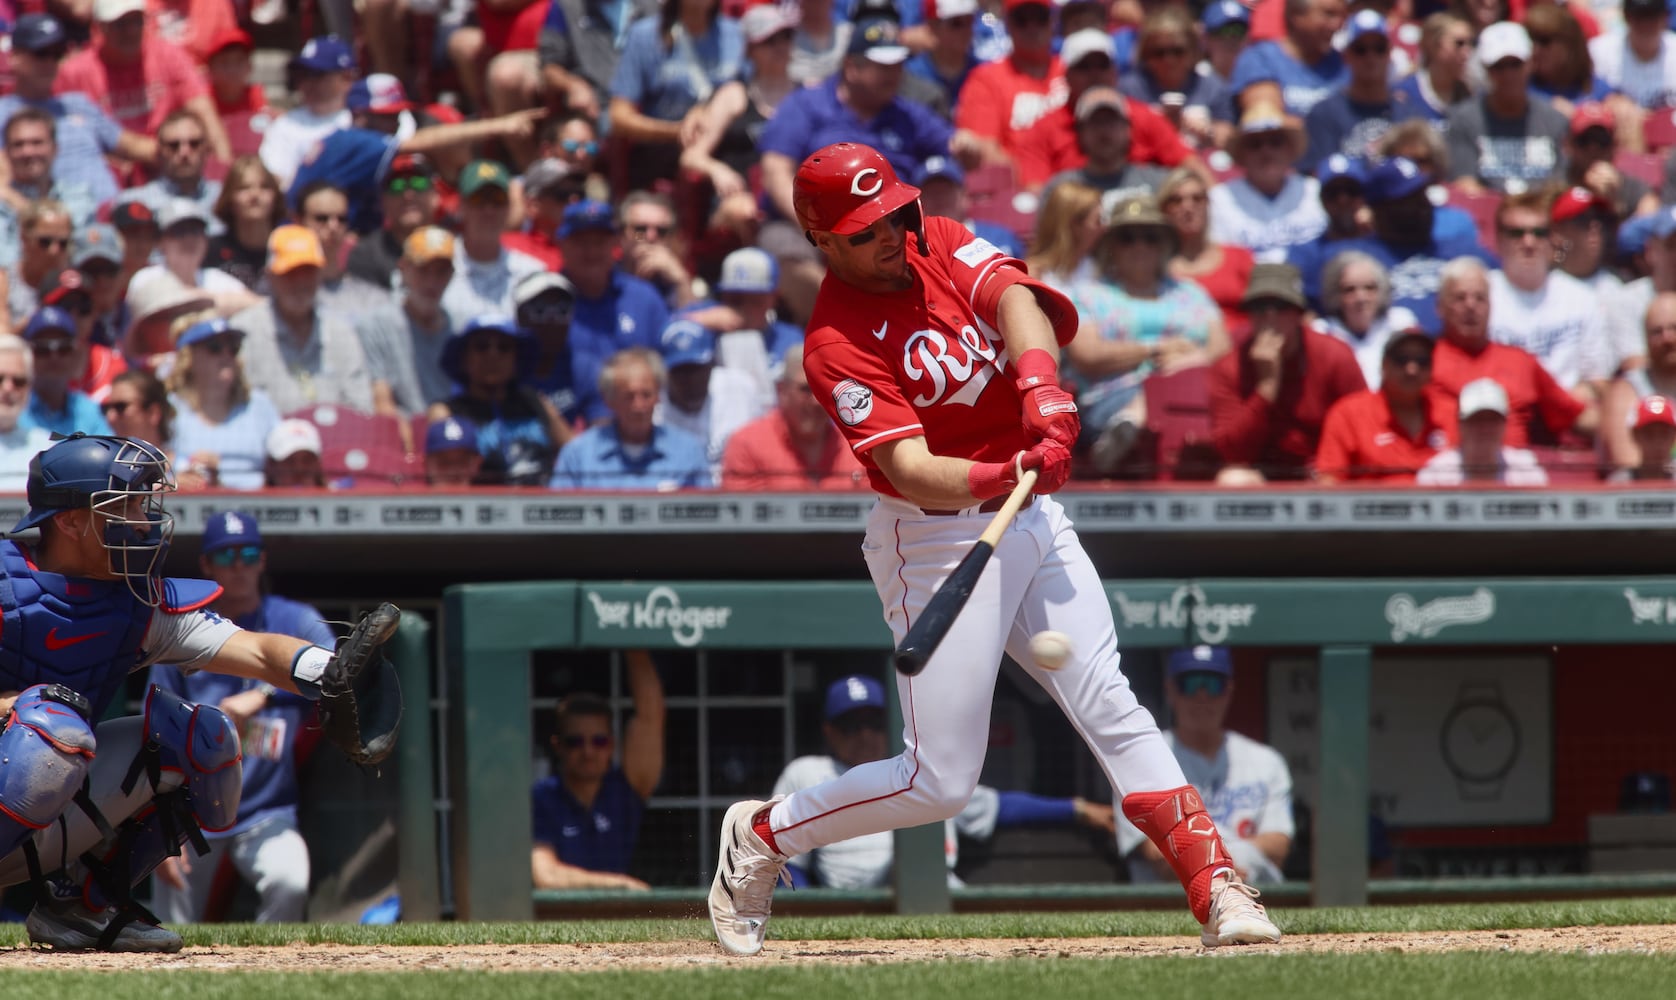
(927, 632)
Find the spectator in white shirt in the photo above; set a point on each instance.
(1272, 206)
(1639, 61)
(1546, 312)
(325, 69)
(1482, 457)
(182, 247)
(1356, 303)
(484, 271)
(700, 397)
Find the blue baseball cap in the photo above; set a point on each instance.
(325, 54)
(38, 33)
(1634, 233)
(1339, 167)
(851, 693)
(1201, 660)
(1226, 12)
(450, 433)
(230, 529)
(453, 359)
(1664, 223)
(1361, 25)
(1396, 178)
(49, 319)
(687, 343)
(585, 216)
(199, 332)
(942, 166)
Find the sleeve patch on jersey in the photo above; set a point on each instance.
(977, 251)
(853, 401)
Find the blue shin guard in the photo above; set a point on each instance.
(47, 747)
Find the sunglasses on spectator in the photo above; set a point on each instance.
(499, 345)
(54, 348)
(1230, 32)
(1347, 189)
(402, 185)
(52, 242)
(54, 54)
(176, 144)
(579, 146)
(599, 741)
(1093, 64)
(856, 722)
(1202, 682)
(1404, 360)
(1166, 52)
(1520, 232)
(1370, 49)
(960, 23)
(649, 229)
(1599, 138)
(1186, 199)
(897, 219)
(328, 218)
(115, 407)
(247, 554)
(14, 381)
(220, 345)
(1029, 15)
(1267, 140)
(1541, 40)
(1148, 237)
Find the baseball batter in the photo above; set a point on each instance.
(88, 810)
(936, 354)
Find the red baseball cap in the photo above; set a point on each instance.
(845, 188)
(1655, 410)
(228, 38)
(1576, 201)
(1589, 116)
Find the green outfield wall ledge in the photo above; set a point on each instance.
(1149, 613)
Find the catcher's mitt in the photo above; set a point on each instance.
(360, 697)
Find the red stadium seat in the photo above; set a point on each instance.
(1482, 208)
(1568, 466)
(992, 196)
(1178, 412)
(1645, 167)
(362, 446)
(1658, 129)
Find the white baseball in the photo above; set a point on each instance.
(1050, 649)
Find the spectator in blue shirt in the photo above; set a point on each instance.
(950, 57)
(1169, 76)
(30, 150)
(85, 133)
(1298, 70)
(264, 844)
(1440, 82)
(490, 359)
(1352, 119)
(586, 815)
(614, 310)
(671, 64)
(53, 405)
(631, 452)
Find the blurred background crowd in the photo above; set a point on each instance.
(550, 242)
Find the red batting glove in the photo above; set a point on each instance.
(1049, 411)
(1050, 459)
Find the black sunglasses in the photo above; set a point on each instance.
(598, 741)
(897, 219)
(1520, 232)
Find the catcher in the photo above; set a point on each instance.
(88, 809)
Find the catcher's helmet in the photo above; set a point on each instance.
(102, 473)
(846, 187)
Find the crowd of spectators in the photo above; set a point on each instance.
(550, 243)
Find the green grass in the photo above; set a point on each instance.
(1250, 975)
(1128, 923)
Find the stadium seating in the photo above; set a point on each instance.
(369, 448)
(1178, 412)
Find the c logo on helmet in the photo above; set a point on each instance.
(866, 192)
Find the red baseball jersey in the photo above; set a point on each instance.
(928, 360)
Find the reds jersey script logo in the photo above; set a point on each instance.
(959, 375)
(853, 400)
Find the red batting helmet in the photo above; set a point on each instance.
(847, 187)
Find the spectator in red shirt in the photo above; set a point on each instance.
(1002, 100)
(1270, 395)
(794, 446)
(1052, 144)
(1465, 353)
(548, 186)
(139, 78)
(242, 105)
(1654, 434)
(95, 364)
(1388, 434)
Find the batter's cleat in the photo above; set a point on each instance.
(1235, 915)
(62, 920)
(747, 870)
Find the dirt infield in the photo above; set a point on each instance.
(695, 954)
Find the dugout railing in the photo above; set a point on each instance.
(490, 631)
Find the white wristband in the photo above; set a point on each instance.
(308, 666)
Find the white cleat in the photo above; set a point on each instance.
(1235, 916)
(743, 891)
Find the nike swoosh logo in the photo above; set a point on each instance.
(55, 643)
(879, 334)
(728, 876)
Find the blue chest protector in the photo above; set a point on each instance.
(84, 634)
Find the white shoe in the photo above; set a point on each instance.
(1235, 916)
(746, 872)
(64, 922)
